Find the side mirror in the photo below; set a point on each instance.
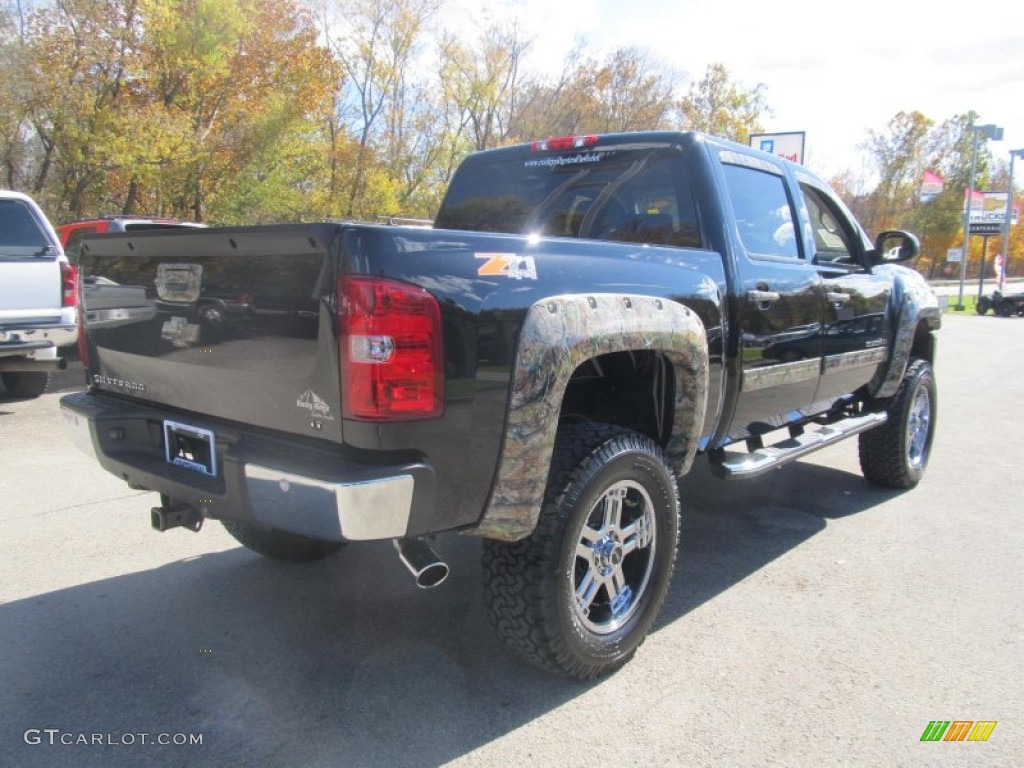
(895, 245)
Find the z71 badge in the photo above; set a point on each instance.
(510, 265)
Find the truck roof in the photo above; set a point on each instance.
(629, 140)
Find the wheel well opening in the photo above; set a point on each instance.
(633, 389)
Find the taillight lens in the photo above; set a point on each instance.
(68, 285)
(392, 367)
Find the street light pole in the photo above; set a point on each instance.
(1014, 153)
(990, 131)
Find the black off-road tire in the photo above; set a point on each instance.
(984, 305)
(280, 545)
(600, 475)
(1005, 308)
(896, 454)
(27, 384)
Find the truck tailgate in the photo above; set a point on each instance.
(235, 322)
(30, 290)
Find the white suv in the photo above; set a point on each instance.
(37, 297)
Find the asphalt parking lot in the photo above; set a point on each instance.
(813, 620)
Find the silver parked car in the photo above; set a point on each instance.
(38, 297)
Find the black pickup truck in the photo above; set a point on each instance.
(541, 368)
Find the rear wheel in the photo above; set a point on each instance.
(1005, 308)
(280, 545)
(896, 454)
(26, 384)
(580, 594)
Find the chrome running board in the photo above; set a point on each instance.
(761, 460)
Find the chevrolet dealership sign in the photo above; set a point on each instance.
(788, 146)
(988, 212)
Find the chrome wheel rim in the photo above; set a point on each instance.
(919, 424)
(614, 558)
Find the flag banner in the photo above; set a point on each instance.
(931, 186)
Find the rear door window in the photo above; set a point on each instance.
(764, 214)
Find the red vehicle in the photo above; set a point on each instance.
(72, 233)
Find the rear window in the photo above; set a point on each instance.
(20, 233)
(624, 195)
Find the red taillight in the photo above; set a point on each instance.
(562, 143)
(68, 285)
(392, 367)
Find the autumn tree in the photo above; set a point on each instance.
(552, 108)
(939, 221)
(15, 128)
(717, 105)
(228, 83)
(482, 82)
(163, 106)
(627, 91)
(79, 62)
(376, 43)
(899, 154)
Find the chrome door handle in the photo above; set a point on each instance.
(763, 297)
(837, 298)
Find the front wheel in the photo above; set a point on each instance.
(580, 594)
(895, 455)
(280, 545)
(983, 305)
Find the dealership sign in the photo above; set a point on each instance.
(988, 212)
(788, 146)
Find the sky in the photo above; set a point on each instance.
(832, 70)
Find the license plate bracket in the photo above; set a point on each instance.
(189, 447)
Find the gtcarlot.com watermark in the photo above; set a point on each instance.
(56, 737)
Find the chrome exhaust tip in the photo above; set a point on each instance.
(422, 562)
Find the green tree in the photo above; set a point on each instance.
(717, 105)
(15, 99)
(229, 82)
(78, 66)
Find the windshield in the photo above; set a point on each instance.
(625, 195)
(20, 234)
